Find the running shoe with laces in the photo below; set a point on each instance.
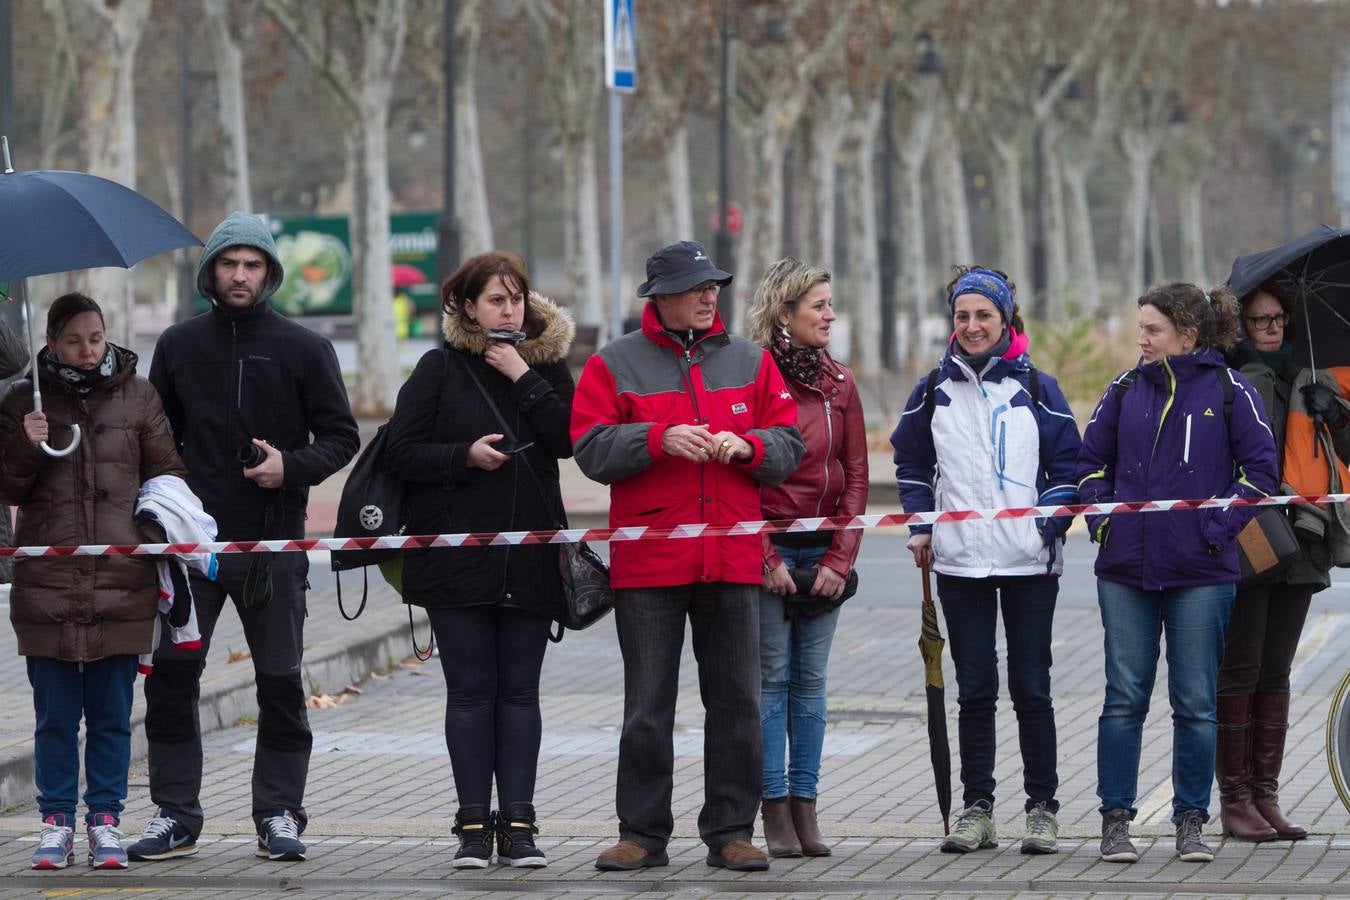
(56, 844)
(473, 827)
(516, 828)
(974, 830)
(1116, 843)
(164, 838)
(105, 842)
(1191, 846)
(279, 838)
(1042, 834)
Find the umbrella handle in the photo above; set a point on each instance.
(74, 442)
(927, 588)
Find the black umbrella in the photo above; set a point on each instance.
(53, 221)
(1315, 269)
(939, 750)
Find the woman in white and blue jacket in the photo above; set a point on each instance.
(984, 430)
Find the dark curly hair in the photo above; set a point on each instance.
(961, 270)
(1213, 315)
(1284, 296)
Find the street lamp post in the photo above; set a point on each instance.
(886, 250)
(722, 239)
(447, 229)
(6, 68)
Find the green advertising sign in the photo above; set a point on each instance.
(316, 254)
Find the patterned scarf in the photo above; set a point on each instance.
(82, 380)
(802, 364)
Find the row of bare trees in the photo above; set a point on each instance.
(1081, 147)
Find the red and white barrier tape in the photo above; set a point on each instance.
(677, 532)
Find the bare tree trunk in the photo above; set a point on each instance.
(231, 109)
(471, 195)
(1134, 214)
(1192, 212)
(1086, 279)
(372, 291)
(108, 34)
(581, 226)
(1056, 242)
(1155, 245)
(950, 177)
(1340, 137)
(1012, 243)
(818, 230)
(676, 213)
(56, 87)
(760, 236)
(864, 292)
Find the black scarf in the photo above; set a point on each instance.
(82, 380)
(978, 361)
(802, 364)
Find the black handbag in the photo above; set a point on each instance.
(587, 596)
(372, 505)
(1267, 546)
(802, 603)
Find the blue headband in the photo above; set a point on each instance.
(987, 284)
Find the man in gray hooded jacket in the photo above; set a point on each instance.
(259, 413)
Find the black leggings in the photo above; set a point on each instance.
(1263, 635)
(491, 657)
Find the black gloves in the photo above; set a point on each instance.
(1324, 403)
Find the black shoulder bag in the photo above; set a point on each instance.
(587, 596)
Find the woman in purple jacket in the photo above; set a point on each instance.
(1180, 425)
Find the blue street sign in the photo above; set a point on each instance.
(620, 46)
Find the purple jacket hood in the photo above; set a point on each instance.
(1166, 438)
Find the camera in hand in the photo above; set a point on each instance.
(507, 335)
(251, 456)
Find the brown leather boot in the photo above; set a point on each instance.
(779, 833)
(1232, 765)
(808, 831)
(1270, 724)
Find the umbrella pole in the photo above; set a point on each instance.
(37, 390)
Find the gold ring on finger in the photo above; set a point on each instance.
(726, 444)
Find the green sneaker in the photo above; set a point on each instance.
(974, 830)
(1042, 831)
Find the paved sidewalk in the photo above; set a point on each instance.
(380, 793)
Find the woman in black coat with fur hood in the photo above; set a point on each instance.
(491, 608)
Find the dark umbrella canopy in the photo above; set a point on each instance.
(939, 750)
(1315, 269)
(52, 221)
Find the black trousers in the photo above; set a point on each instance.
(1262, 638)
(491, 657)
(275, 636)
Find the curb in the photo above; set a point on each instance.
(339, 659)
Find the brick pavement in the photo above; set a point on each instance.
(380, 792)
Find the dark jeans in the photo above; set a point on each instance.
(491, 657)
(1263, 633)
(970, 607)
(102, 692)
(275, 637)
(725, 623)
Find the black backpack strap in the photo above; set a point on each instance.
(1034, 388)
(930, 395)
(365, 592)
(1226, 382)
(1123, 385)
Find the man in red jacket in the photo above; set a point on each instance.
(684, 422)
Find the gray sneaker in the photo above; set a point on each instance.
(1116, 843)
(974, 830)
(1042, 834)
(1191, 846)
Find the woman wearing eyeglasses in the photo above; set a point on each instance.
(1267, 619)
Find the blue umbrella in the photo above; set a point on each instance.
(53, 221)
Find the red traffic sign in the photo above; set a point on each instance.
(735, 219)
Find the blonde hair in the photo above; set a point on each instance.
(783, 285)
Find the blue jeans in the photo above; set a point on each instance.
(792, 657)
(102, 692)
(970, 607)
(1195, 620)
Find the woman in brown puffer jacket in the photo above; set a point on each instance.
(82, 621)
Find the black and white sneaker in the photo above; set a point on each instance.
(164, 838)
(516, 828)
(279, 838)
(473, 827)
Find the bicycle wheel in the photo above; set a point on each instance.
(1338, 740)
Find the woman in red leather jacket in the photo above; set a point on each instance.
(791, 315)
